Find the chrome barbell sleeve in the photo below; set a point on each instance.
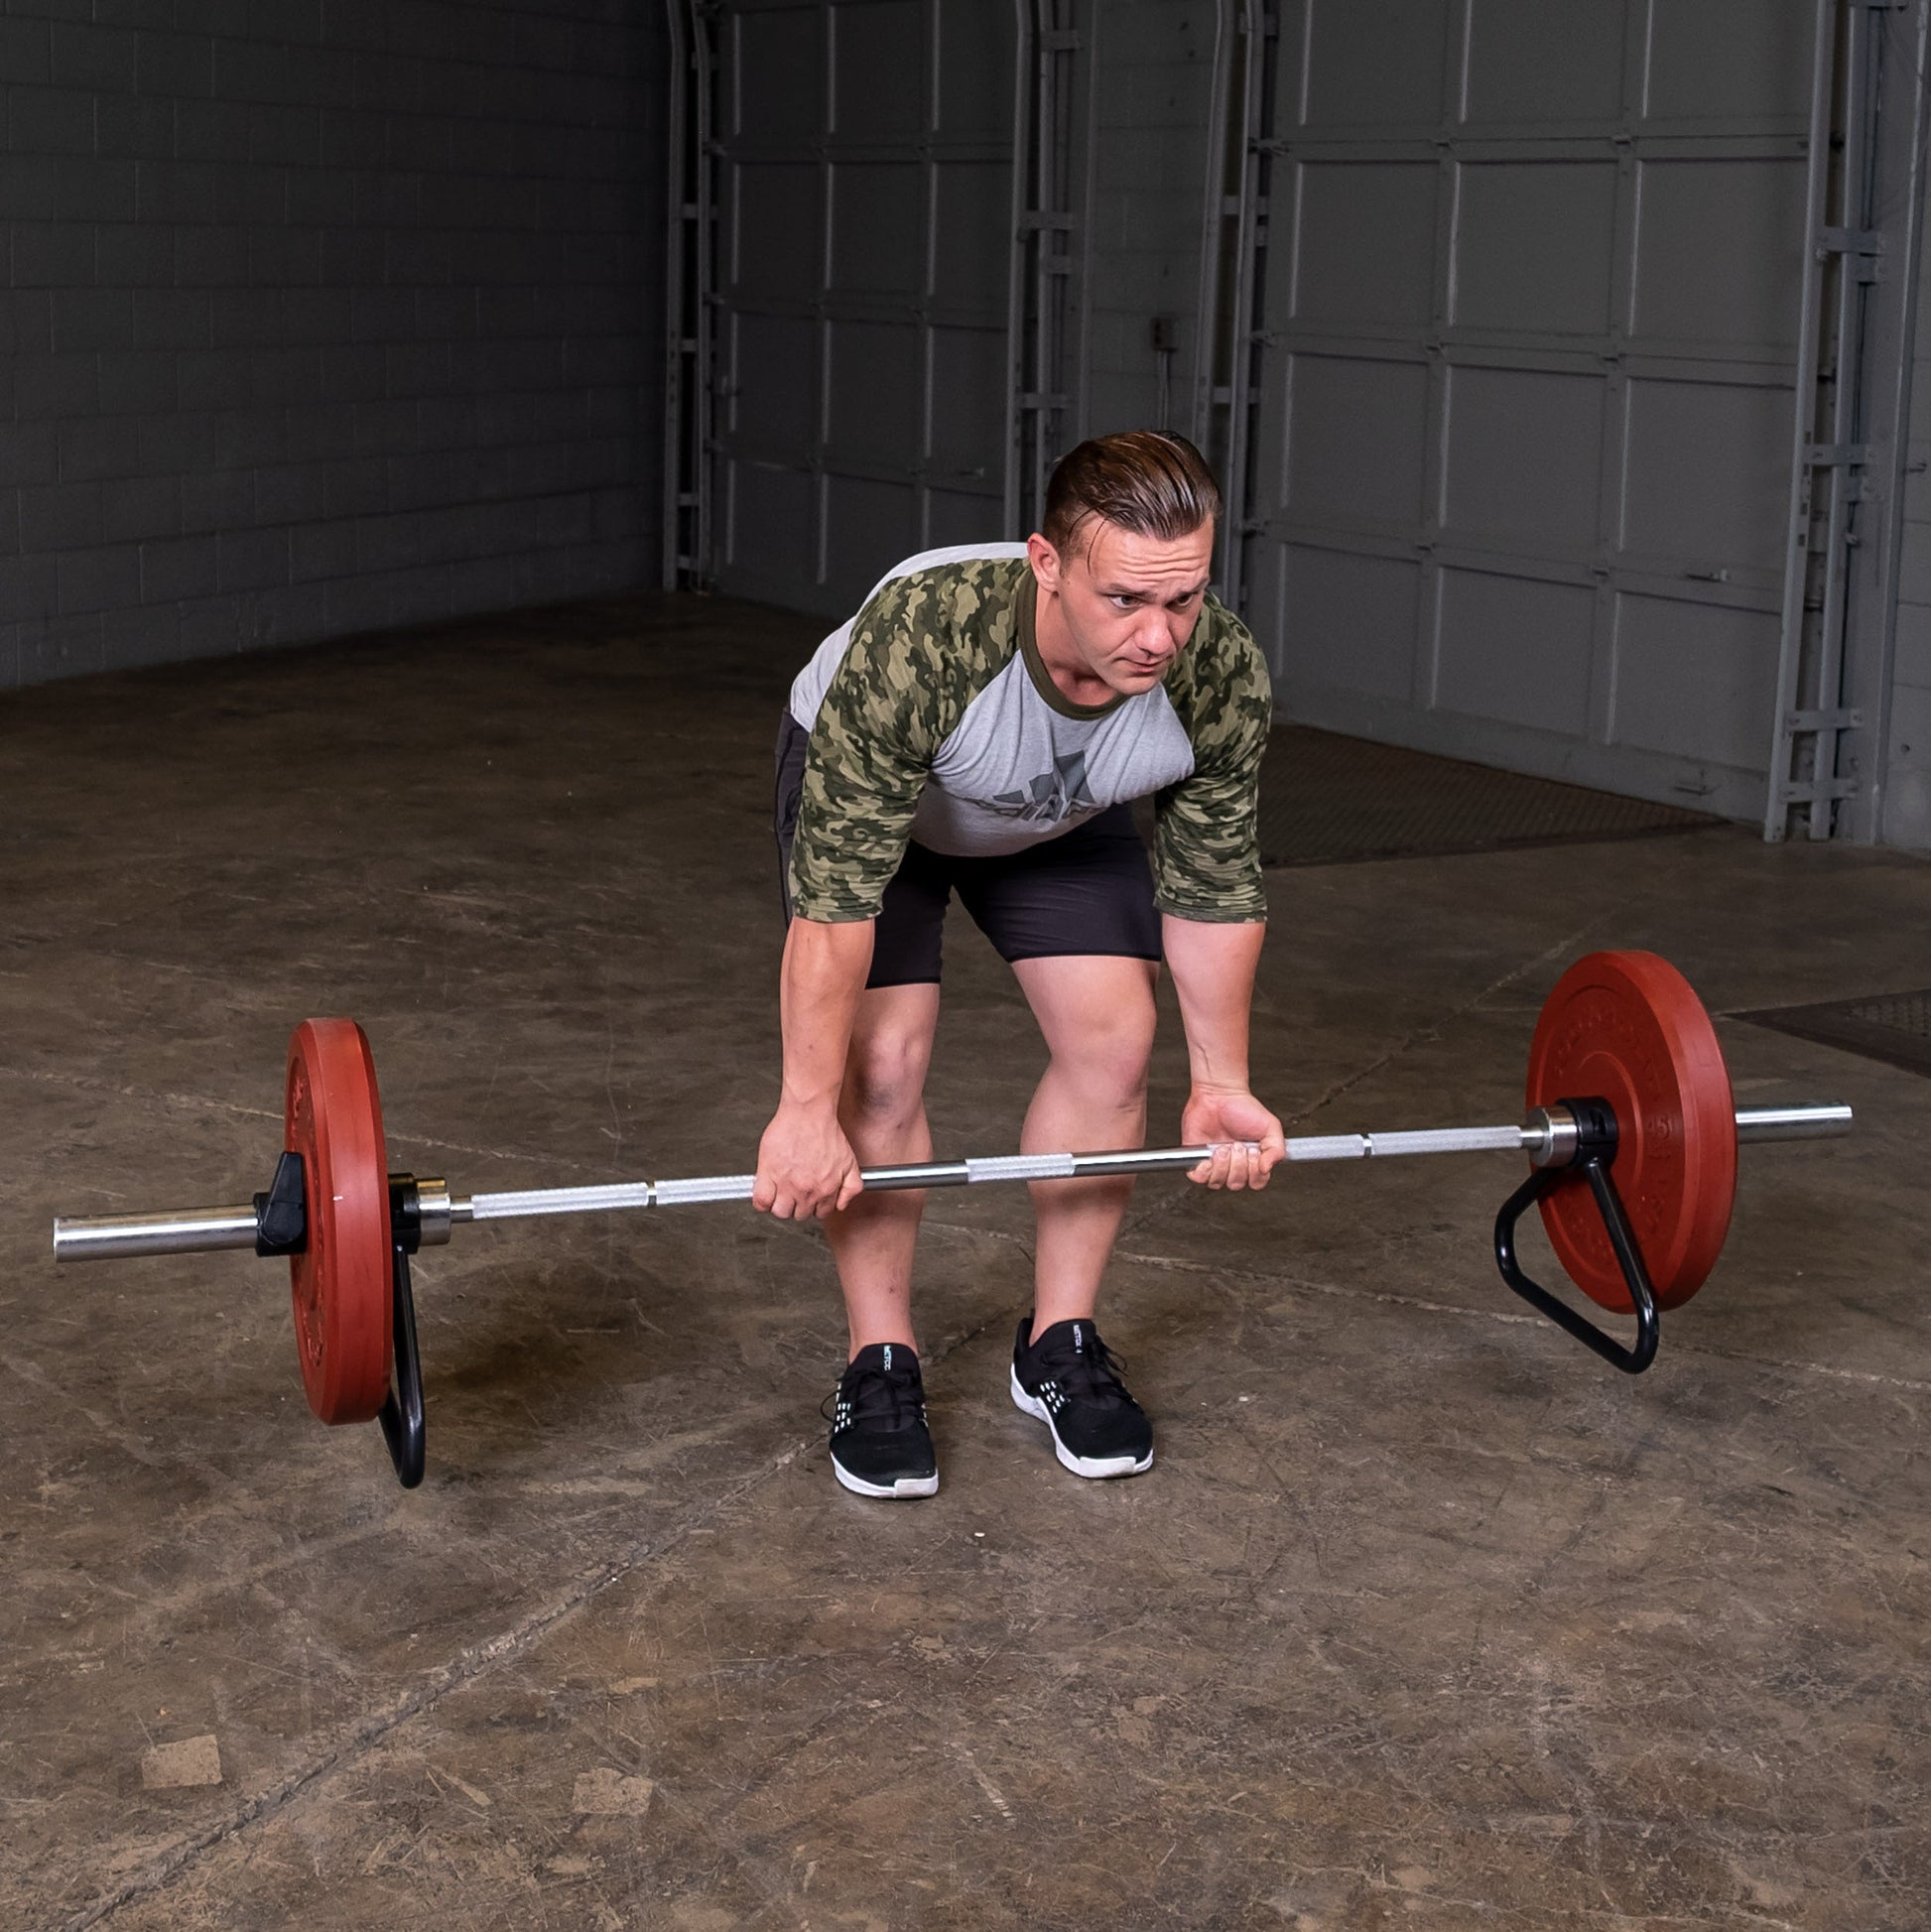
(185, 1230)
(1816, 1121)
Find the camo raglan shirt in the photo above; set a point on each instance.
(932, 717)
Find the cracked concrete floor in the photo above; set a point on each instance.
(1423, 1619)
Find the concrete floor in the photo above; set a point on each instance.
(1424, 1619)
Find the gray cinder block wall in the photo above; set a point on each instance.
(321, 316)
(1907, 799)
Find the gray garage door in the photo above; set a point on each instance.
(865, 218)
(1523, 448)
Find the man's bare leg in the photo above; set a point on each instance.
(882, 1112)
(1097, 1015)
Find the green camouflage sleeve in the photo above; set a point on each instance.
(885, 715)
(1207, 853)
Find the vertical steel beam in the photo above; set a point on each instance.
(704, 310)
(675, 335)
(927, 364)
(1043, 397)
(689, 298)
(1845, 307)
(1032, 135)
(1219, 206)
(1052, 218)
(1797, 553)
(1830, 745)
(1259, 92)
(1895, 240)
(1019, 266)
(1079, 149)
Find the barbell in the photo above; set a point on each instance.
(1631, 1133)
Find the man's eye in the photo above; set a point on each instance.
(1126, 603)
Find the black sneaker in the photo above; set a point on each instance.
(880, 1446)
(1070, 1380)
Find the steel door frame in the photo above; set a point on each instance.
(1803, 776)
(690, 288)
(1050, 299)
(1831, 733)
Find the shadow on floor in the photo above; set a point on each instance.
(1330, 799)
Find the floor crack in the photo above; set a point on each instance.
(357, 1739)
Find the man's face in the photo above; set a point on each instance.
(1129, 602)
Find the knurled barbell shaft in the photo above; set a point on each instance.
(999, 1167)
(191, 1231)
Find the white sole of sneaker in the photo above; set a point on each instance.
(1098, 1467)
(906, 1486)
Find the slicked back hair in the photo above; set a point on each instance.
(1144, 480)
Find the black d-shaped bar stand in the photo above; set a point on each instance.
(282, 1228)
(1595, 1153)
(403, 1425)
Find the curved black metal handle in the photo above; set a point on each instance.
(1623, 1238)
(403, 1425)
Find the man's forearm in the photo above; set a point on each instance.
(1213, 968)
(819, 989)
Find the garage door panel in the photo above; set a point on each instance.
(877, 229)
(969, 386)
(878, 68)
(775, 246)
(867, 258)
(1356, 440)
(1720, 252)
(1525, 457)
(778, 73)
(956, 517)
(1530, 61)
(1352, 619)
(772, 514)
(977, 51)
(1560, 286)
(971, 248)
(774, 383)
(1741, 61)
(868, 527)
(1366, 244)
(1591, 398)
(876, 403)
(1515, 651)
(1696, 680)
(1705, 476)
(1376, 66)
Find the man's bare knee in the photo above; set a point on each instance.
(1110, 1068)
(885, 1082)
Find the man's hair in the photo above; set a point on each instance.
(1144, 480)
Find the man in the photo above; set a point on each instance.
(982, 728)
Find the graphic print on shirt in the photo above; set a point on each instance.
(1014, 768)
(1052, 796)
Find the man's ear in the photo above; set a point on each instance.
(1045, 560)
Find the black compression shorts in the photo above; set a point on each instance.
(1087, 891)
